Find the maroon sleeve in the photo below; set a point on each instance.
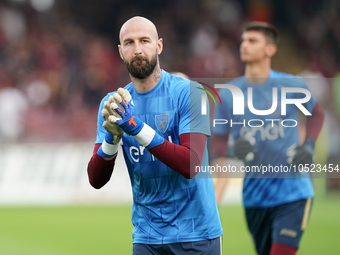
(315, 122)
(184, 157)
(99, 170)
(219, 146)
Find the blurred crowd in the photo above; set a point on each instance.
(57, 64)
(53, 74)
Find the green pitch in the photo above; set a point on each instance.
(107, 230)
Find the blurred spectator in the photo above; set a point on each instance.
(13, 24)
(13, 108)
(64, 57)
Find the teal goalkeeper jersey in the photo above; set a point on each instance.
(168, 208)
(274, 135)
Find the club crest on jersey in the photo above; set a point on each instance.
(162, 122)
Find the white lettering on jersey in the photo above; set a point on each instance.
(135, 152)
(270, 132)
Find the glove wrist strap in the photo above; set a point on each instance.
(108, 149)
(148, 137)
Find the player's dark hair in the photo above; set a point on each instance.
(267, 29)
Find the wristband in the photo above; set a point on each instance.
(148, 137)
(108, 149)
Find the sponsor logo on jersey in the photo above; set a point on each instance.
(288, 232)
(136, 152)
(269, 132)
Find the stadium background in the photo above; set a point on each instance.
(58, 58)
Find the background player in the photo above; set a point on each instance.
(172, 212)
(277, 209)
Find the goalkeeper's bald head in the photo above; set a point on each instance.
(138, 23)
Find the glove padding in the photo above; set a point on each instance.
(126, 119)
(111, 127)
(244, 149)
(302, 154)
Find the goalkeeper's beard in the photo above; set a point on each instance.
(141, 71)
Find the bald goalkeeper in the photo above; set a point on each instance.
(157, 120)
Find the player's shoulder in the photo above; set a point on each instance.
(239, 82)
(277, 74)
(175, 82)
(176, 86)
(288, 80)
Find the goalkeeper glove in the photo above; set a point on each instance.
(113, 128)
(132, 125)
(244, 148)
(114, 133)
(302, 154)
